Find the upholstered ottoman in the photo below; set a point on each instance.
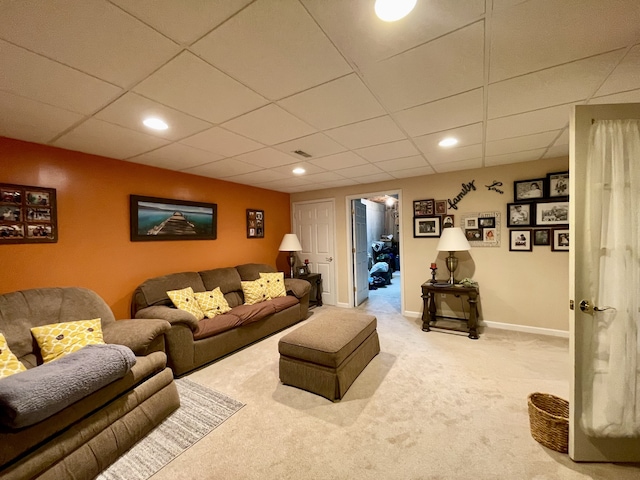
(326, 355)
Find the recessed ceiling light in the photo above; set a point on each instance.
(155, 123)
(299, 171)
(392, 10)
(448, 142)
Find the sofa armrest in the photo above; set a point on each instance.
(297, 286)
(139, 336)
(171, 315)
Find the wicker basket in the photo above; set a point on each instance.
(549, 420)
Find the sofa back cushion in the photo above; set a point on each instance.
(251, 271)
(228, 279)
(154, 290)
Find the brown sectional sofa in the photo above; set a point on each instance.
(191, 343)
(84, 438)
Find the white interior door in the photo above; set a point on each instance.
(360, 264)
(314, 224)
(583, 447)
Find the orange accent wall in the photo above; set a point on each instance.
(94, 248)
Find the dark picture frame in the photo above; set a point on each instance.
(28, 214)
(441, 207)
(529, 190)
(487, 222)
(448, 221)
(160, 219)
(542, 236)
(474, 235)
(552, 213)
(520, 214)
(520, 240)
(560, 240)
(424, 208)
(558, 184)
(255, 223)
(427, 227)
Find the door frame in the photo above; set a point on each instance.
(350, 229)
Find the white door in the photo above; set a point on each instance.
(585, 402)
(314, 225)
(360, 258)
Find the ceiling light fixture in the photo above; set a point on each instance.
(392, 10)
(448, 142)
(155, 123)
(299, 170)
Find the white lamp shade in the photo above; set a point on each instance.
(290, 243)
(453, 240)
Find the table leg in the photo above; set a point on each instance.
(426, 316)
(319, 291)
(473, 316)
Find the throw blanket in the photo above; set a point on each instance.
(28, 397)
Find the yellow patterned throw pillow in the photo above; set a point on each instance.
(185, 300)
(58, 339)
(212, 303)
(9, 363)
(275, 284)
(255, 292)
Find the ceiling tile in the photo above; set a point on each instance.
(518, 144)
(310, 169)
(370, 132)
(452, 112)
(130, 110)
(469, 135)
(339, 102)
(339, 183)
(221, 141)
(339, 160)
(365, 39)
(632, 96)
(258, 177)
(269, 125)
(184, 22)
(33, 121)
(509, 158)
(285, 183)
(402, 163)
(626, 75)
(93, 36)
(559, 85)
(388, 151)
(456, 154)
(323, 177)
(413, 172)
(562, 139)
(267, 158)
(539, 34)
(263, 58)
(316, 145)
(188, 84)
(378, 177)
(34, 76)
(359, 171)
(175, 157)
(557, 151)
(223, 168)
(552, 118)
(108, 140)
(458, 166)
(441, 68)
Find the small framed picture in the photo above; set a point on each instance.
(473, 234)
(560, 242)
(441, 207)
(303, 271)
(487, 222)
(524, 190)
(470, 223)
(426, 227)
(552, 213)
(520, 240)
(519, 214)
(558, 184)
(447, 221)
(27, 214)
(255, 223)
(489, 235)
(423, 208)
(542, 236)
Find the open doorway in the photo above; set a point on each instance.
(375, 236)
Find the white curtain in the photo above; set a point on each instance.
(611, 396)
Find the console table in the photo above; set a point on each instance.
(429, 317)
(315, 279)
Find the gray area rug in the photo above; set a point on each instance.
(201, 410)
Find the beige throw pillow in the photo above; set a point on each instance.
(275, 284)
(255, 292)
(184, 299)
(212, 303)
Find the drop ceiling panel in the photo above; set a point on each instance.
(165, 157)
(378, 177)
(441, 68)
(557, 151)
(519, 144)
(102, 138)
(288, 53)
(413, 172)
(445, 114)
(370, 132)
(188, 84)
(223, 168)
(33, 76)
(339, 183)
(310, 169)
(359, 171)
(568, 83)
(458, 166)
(182, 21)
(546, 119)
(402, 163)
(388, 151)
(33, 121)
(626, 75)
(93, 36)
(323, 177)
(267, 158)
(221, 141)
(269, 125)
(131, 109)
(339, 160)
(528, 156)
(316, 145)
(632, 96)
(469, 135)
(339, 102)
(261, 176)
(456, 154)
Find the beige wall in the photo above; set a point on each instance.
(528, 289)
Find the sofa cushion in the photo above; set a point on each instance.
(9, 363)
(218, 324)
(59, 339)
(184, 299)
(282, 303)
(251, 271)
(228, 279)
(255, 292)
(275, 284)
(154, 290)
(253, 313)
(212, 303)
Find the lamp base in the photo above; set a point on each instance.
(291, 260)
(452, 264)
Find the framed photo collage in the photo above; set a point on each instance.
(430, 217)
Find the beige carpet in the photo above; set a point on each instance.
(429, 406)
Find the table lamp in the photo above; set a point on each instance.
(452, 240)
(291, 244)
